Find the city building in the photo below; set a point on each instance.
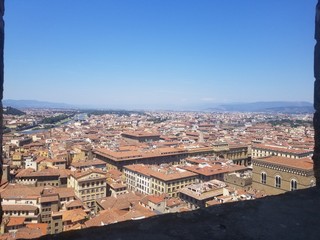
(157, 180)
(261, 150)
(239, 179)
(275, 175)
(141, 136)
(207, 171)
(119, 159)
(22, 201)
(46, 177)
(196, 195)
(88, 164)
(88, 185)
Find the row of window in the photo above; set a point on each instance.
(49, 184)
(46, 216)
(92, 184)
(293, 182)
(17, 213)
(94, 196)
(46, 209)
(91, 190)
(260, 153)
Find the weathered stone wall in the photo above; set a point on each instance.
(316, 118)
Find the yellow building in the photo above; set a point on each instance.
(17, 159)
(171, 182)
(275, 175)
(88, 186)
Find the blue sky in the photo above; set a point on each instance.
(159, 53)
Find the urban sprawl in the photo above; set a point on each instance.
(66, 170)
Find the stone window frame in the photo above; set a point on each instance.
(293, 184)
(277, 181)
(263, 177)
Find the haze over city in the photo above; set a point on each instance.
(159, 54)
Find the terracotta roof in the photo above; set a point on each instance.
(21, 192)
(141, 134)
(114, 173)
(74, 203)
(137, 212)
(49, 172)
(74, 215)
(16, 207)
(88, 163)
(156, 198)
(172, 202)
(74, 227)
(173, 176)
(140, 168)
(167, 174)
(120, 202)
(30, 233)
(46, 199)
(302, 163)
(117, 185)
(104, 218)
(215, 169)
(81, 174)
(281, 149)
(129, 155)
(14, 221)
(63, 192)
(38, 226)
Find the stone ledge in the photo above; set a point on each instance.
(293, 215)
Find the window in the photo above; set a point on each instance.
(278, 182)
(263, 178)
(293, 185)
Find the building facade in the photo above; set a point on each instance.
(276, 175)
(88, 186)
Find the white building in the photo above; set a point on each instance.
(138, 179)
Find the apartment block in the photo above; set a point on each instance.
(88, 185)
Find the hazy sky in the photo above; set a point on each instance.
(159, 53)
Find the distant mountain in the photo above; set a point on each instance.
(35, 104)
(13, 111)
(284, 107)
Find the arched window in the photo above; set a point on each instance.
(278, 182)
(293, 185)
(263, 178)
